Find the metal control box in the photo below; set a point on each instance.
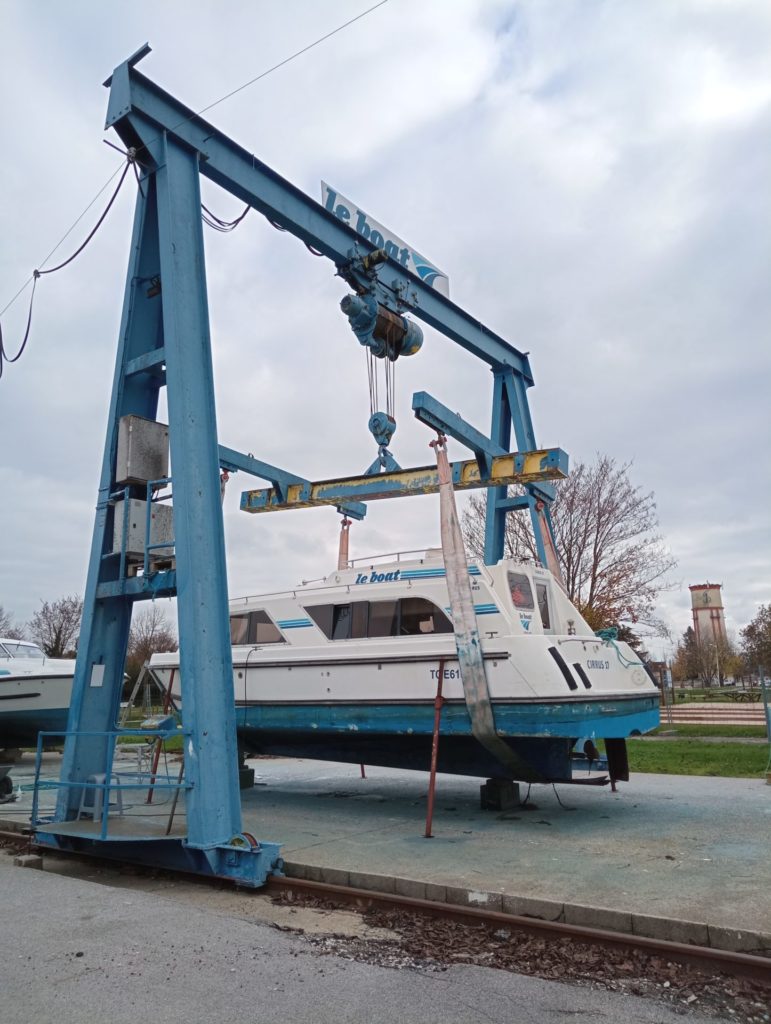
(161, 528)
(143, 451)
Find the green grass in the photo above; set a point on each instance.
(171, 746)
(690, 757)
(703, 729)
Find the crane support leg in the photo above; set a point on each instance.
(510, 408)
(167, 324)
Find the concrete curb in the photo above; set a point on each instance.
(697, 933)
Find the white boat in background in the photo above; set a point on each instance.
(35, 693)
(346, 669)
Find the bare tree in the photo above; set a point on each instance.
(614, 563)
(150, 633)
(56, 626)
(756, 640)
(8, 627)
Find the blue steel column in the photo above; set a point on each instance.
(213, 807)
(510, 405)
(105, 624)
(500, 433)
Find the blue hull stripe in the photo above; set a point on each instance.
(293, 623)
(427, 574)
(568, 718)
(480, 609)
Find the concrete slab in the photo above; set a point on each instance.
(662, 849)
(668, 856)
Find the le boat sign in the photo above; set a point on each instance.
(382, 238)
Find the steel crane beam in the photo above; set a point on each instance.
(141, 113)
(519, 468)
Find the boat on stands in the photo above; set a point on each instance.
(35, 693)
(35, 696)
(347, 668)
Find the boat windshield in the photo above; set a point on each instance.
(521, 593)
(11, 649)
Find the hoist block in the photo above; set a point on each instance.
(386, 333)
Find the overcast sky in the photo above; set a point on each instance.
(593, 176)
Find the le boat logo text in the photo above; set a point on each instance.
(382, 238)
(378, 577)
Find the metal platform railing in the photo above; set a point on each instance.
(102, 810)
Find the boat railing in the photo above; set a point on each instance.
(426, 554)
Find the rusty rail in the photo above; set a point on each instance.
(758, 968)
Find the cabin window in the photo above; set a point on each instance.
(542, 594)
(239, 630)
(411, 616)
(254, 628)
(521, 591)
(341, 622)
(322, 615)
(383, 619)
(359, 619)
(263, 630)
(419, 616)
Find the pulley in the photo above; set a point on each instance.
(382, 427)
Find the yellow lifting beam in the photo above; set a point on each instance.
(515, 468)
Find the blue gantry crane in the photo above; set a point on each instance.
(165, 342)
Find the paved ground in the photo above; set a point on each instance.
(690, 848)
(74, 952)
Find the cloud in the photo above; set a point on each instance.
(592, 178)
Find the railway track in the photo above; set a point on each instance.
(747, 965)
(757, 968)
(427, 932)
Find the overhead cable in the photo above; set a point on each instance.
(66, 234)
(269, 71)
(211, 219)
(292, 57)
(37, 273)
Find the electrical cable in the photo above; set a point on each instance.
(4, 357)
(215, 222)
(37, 273)
(563, 806)
(66, 234)
(218, 223)
(79, 250)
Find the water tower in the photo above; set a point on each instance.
(708, 612)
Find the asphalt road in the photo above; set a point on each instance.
(76, 952)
